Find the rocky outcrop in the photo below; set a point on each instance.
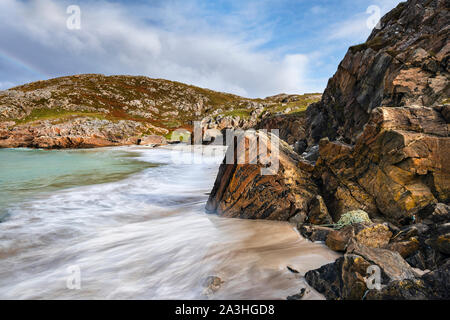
(434, 285)
(292, 126)
(244, 190)
(417, 246)
(383, 135)
(313, 232)
(403, 63)
(151, 140)
(397, 167)
(283, 112)
(79, 132)
(346, 278)
(370, 235)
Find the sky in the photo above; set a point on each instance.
(253, 48)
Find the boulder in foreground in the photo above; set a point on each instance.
(243, 190)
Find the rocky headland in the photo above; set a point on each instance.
(368, 169)
(93, 110)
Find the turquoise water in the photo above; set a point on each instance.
(136, 230)
(26, 173)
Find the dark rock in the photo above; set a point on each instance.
(346, 277)
(300, 146)
(314, 233)
(406, 248)
(297, 296)
(390, 262)
(343, 279)
(436, 213)
(433, 285)
(318, 212)
(312, 154)
(292, 269)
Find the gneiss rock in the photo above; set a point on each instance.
(390, 262)
(314, 233)
(432, 285)
(342, 279)
(292, 127)
(406, 248)
(297, 296)
(398, 166)
(346, 277)
(425, 244)
(151, 140)
(245, 191)
(318, 212)
(370, 235)
(405, 62)
(79, 132)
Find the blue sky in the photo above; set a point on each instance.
(251, 48)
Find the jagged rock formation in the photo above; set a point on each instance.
(403, 63)
(422, 246)
(383, 134)
(79, 132)
(346, 277)
(242, 189)
(434, 285)
(276, 112)
(398, 166)
(385, 114)
(291, 126)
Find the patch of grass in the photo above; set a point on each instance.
(358, 48)
(242, 113)
(297, 107)
(376, 44)
(172, 124)
(51, 114)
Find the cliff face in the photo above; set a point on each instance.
(405, 62)
(380, 139)
(391, 160)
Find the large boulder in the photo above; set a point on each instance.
(346, 278)
(253, 190)
(404, 62)
(370, 235)
(78, 132)
(430, 238)
(432, 285)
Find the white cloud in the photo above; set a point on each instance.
(113, 41)
(351, 29)
(356, 28)
(6, 85)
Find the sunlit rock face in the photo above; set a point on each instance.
(244, 190)
(403, 63)
(398, 166)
